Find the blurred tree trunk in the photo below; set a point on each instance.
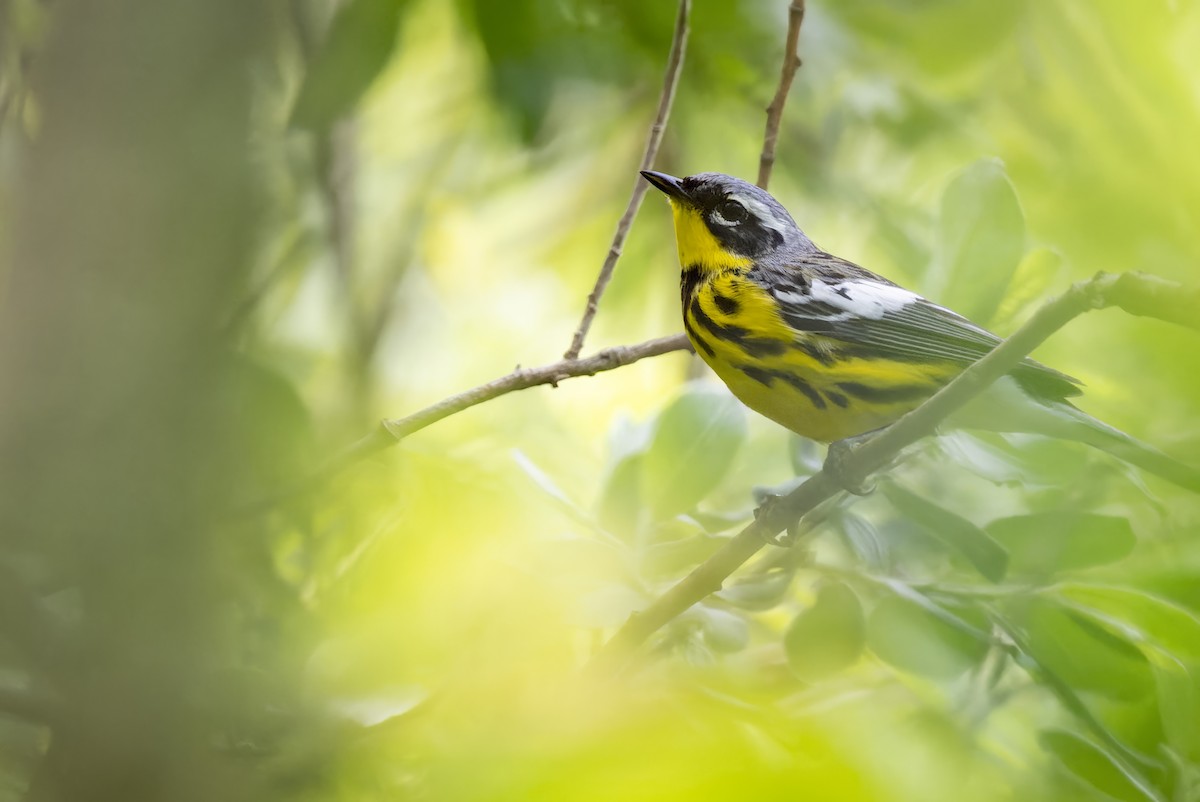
(132, 236)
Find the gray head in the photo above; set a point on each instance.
(718, 216)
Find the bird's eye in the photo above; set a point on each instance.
(731, 211)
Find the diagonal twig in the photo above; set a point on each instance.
(520, 379)
(653, 140)
(392, 430)
(1136, 293)
(791, 63)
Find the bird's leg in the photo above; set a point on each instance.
(765, 509)
(769, 502)
(835, 464)
(834, 467)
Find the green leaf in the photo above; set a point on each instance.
(1179, 706)
(550, 488)
(580, 563)
(532, 47)
(915, 639)
(1038, 274)
(267, 418)
(372, 710)
(827, 637)
(1095, 767)
(609, 606)
(805, 456)
(723, 631)
(1156, 621)
(695, 439)
(673, 557)
(1084, 654)
(523, 42)
(981, 236)
(716, 522)
(989, 557)
(1047, 542)
(984, 458)
(867, 543)
(758, 591)
(626, 438)
(359, 44)
(940, 38)
(1053, 462)
(620, 506)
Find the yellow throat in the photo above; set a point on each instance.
(698, 248)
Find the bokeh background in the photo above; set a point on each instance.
(236, 235)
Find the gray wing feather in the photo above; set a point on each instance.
(916, 330)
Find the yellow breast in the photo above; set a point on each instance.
(798, 379)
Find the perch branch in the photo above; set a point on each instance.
(1135, 293)
(653, 140)
(521, 379)
(392, 430)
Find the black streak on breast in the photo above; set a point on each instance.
(689, 282)
(767, 377)
(728, 306)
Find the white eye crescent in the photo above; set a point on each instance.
(729, 212)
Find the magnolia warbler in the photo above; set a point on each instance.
(831, 350)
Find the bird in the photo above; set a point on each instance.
(833, 351)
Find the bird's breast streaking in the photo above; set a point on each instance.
(797, 375)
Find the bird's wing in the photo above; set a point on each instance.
(840, 300)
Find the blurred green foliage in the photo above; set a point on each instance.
(432, 187)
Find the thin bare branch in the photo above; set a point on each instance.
(392, 431)
(791, 63)
(653, 140)
(1134, 292)
(522, 379)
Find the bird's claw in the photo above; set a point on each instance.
(836, 469)
(764, 510)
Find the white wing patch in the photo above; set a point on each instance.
(855, 299)
(867, 299)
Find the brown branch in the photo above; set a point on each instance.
(522, 379)
(791, 63)
(1101, 291)
(653, 140)
(392, 431)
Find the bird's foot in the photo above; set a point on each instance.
(765, 511)
(835, 466)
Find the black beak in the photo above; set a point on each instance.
(669, 185)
